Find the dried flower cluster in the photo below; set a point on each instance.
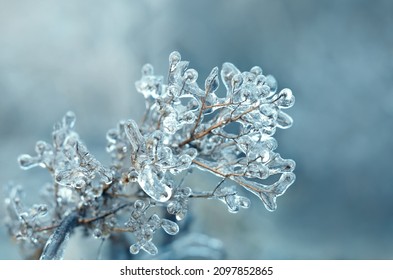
(184, 127)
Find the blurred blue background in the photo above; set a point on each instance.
(336, 56)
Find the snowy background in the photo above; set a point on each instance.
(336, 56)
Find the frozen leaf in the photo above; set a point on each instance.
(284, 120)
(212, 82)
(134, 135)
(150, 183)
(269, 197)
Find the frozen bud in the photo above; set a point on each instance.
(139, 204)
(112, 136)
(173, 90)
(188, 117)
(264, 90)
(134, 135)
(106, 175)
(260, 80)
(256, 70)
(173, 207)
(97, 233)
(69, 119)
(285, 99)
(185, 192)
(150, 86)
(272, 83)
(191, 152)
(174, 59)
(184, 161)
(79, 184)
(41, 147)
(191, 75)
(39, 209)
(132, 175)
(147, 70)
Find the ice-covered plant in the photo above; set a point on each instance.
(229, 134)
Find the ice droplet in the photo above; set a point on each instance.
(169, 123)
(27, 161)
(139, 204)
(286, 99)
(181, 214)
(134, 249)
(97, 233)
(169, 227)
(244, 202)
(69, 119)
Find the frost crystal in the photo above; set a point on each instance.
(229, 134)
